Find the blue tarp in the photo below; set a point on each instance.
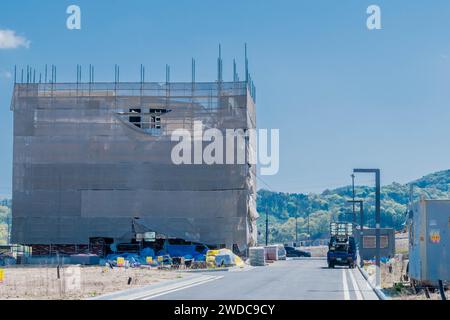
(7, 261)
(382, 259)
(170, 250)
(147, 252)
(186, 251)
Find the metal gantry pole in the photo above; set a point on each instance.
(267, 227)
(353, 197)
(361, 218)
(377, 219)
(378, 224)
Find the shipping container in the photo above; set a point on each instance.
(429, 240)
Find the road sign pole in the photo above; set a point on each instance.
(361, 217)
(353, 197)
(377, 230)
(267, 227)
(377, 220)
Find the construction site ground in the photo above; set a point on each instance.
(394, 282)
(41, 282)
(397, 287)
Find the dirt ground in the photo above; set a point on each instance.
(75, 282)
(398, 288)
(407, 293)
(401, 243)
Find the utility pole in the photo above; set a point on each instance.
(361, 212)
(8, 224)
(309, 235)
(267, 227)
(377, 219)
(361, 222)
(296, 229)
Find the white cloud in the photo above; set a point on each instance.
(6, 75)
(10, 40)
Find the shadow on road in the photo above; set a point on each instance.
(336, 267)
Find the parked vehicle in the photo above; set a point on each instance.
(342, 246)
(292, 252)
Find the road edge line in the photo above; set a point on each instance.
(171, 286)
(345, 285)
(151, 296)
(130, 293)
(355, 285)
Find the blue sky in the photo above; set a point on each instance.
(341, 95)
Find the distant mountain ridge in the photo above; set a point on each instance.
(438, 180)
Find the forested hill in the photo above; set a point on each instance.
(331, 205)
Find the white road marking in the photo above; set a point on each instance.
(345, 285)
(355, 285)
(151, 296)
(244, 269)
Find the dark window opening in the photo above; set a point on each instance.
(155, 118)
(149, 120)
(134, 119)
(158, 110)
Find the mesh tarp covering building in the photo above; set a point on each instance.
(89, 157)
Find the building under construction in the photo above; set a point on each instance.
(92, 158)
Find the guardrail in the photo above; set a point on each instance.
(377, 290)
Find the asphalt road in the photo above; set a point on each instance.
(308, 279)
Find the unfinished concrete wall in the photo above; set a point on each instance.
(90, 157)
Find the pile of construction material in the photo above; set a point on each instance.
(222, 258)
(257, 256)
(271, 253)
(275, 252)
(172, 256)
